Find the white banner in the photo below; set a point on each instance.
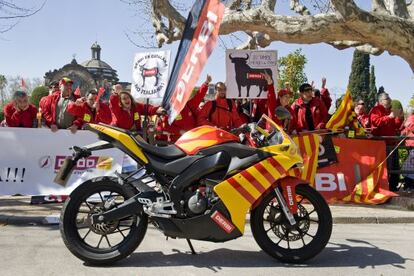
(244, 70)
(30, 158)
(150, 74)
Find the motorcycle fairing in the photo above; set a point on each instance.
(202, 137)
(111, 134)
(241, 191)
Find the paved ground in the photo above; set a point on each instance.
(17, 210)
(354, 249)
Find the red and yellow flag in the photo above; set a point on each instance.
(369, 191)
(345, 116)
(308, 145)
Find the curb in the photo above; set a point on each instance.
(54, 220)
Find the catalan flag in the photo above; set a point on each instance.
(308, 145)
(369, 191)
(345, 116)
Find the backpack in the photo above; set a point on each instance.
(214, 106)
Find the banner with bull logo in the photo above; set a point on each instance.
(198, 41)
(31, 157)
(244, 69)
(150, 74)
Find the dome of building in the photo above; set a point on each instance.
(99, 69)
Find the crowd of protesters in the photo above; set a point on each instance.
(62, 109)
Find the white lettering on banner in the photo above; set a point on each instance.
(34, 156)
(206, 30)
(326, 182)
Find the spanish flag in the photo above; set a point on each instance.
(345, 116)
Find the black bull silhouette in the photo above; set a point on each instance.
(149, 72)
(247, 76)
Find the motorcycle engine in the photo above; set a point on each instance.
(197, 204)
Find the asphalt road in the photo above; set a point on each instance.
(357, 249)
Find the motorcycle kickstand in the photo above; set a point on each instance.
(191, 247)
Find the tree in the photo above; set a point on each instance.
(372, 98)
(38, 93)
(291, 69)
(411, 102)
(358, 83)
(389, 26)
(11, 13)
(3, 84)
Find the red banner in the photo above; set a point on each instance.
(199, 39)
(360, 175)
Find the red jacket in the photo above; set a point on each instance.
(186, 120)
(408, 130)
(363, 119)
(48, 106)
(318, 110)
(84, 114)
(221, 117)
(326, 98)
(381, 124)
(128, 119)
(16, 118)
(272, 103)
(259, 107)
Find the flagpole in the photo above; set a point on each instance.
(145, 124)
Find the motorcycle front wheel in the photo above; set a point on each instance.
(100, 243)
(292, 243)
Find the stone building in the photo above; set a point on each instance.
(91, 74)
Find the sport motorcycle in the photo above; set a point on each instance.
(200, 188)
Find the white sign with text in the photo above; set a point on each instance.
(30, 158)
(244, 73)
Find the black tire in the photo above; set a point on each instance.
(69, 223)
(280, 229)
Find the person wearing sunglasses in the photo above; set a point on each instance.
(362, 115)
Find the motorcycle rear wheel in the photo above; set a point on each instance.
(298, 243)
(101, 244)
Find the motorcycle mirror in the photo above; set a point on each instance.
(282, 113)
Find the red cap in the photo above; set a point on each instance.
(283, 92)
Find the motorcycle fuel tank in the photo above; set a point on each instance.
(203, 137)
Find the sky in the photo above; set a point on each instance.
(49, 39)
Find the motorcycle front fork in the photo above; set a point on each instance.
(284, 206)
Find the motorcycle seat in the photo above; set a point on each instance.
(167, 152)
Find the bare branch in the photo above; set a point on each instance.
(397, 8)
(299, 8)
(378, 6)
(363, 47)
(269, 4)
(16, 16)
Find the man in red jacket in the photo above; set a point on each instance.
(310, 111)
(126, 113)
(186, 120)
(221, 112)
(88, 110)
(384, 121)
(19, 113)
(387, 122)
(54, 107)
(362, 116)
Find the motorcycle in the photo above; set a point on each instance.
(199, 188)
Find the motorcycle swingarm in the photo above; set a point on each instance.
(126, 209)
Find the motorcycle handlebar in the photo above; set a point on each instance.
(242, 129)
